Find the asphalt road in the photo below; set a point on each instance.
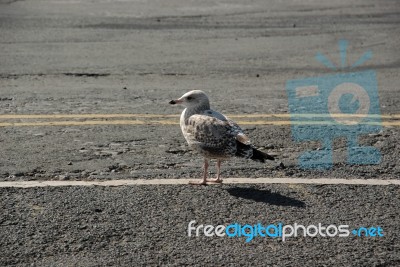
(71, 58)
(142, 226)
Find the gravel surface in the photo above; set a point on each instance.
(147, 225)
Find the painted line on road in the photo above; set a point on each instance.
(73, 123)
(282, 115)
(176, 122)
(170, 119)
(319, 181)
(84, 116)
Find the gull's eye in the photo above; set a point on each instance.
(189, 98)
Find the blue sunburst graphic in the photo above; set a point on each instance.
(343, 57)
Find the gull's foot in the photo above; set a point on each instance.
(198, 182)
(214, 181)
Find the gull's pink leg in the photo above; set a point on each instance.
(204, 180)
(218, 179)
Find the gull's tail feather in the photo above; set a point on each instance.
(261, 156)
(249, 152)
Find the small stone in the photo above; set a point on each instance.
(289, 173)
(122, 165)
(269, 146)
(376, 134)
(63, 177)
(110, 152)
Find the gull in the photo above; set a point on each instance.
(213, 135)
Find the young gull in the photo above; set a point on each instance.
(213, 134)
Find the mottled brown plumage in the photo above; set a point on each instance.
(212, 134)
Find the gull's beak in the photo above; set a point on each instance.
(177, 101)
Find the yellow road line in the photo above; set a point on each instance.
(169, 119)
(385, 116)
(172, 122)
(83, 116)
(283, 115)
(73, 123)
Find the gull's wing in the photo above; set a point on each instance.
(235, 128)
(216, 135)
(209, 132)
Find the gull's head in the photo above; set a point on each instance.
(193, 99)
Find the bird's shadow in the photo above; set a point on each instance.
(265, 196)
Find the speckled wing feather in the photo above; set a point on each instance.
(244, 148)
(216, 136)
(238, 132)
(213, 137)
